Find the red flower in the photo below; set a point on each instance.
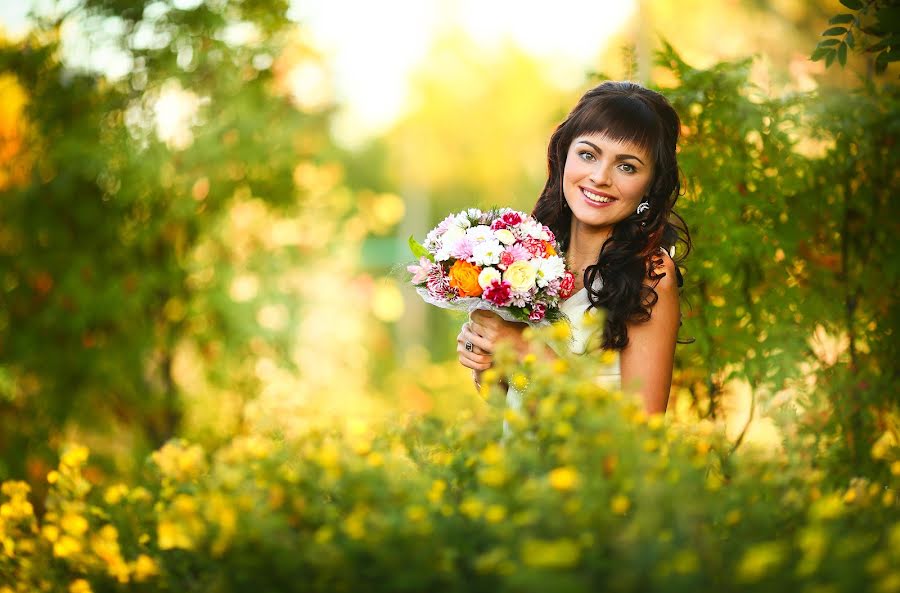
(498, 224)
(566, 285)
(511, 218)
(540, 309)
(497, 293)
(506, 259)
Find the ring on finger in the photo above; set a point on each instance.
(469, 346)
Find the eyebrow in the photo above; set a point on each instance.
(618, 156)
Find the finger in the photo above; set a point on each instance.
(484, 331)
(479, 344)
(475, 362)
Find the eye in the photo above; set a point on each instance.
(628, 168)
(586, 155)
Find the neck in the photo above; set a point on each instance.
(584, 245)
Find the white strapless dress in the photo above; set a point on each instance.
(609, 374)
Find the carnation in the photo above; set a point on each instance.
(498, 293)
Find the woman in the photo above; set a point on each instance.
(612, 183)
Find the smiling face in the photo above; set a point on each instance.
(604, 180)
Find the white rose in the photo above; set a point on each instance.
(520, 275)
(487, 276)
(505, 236)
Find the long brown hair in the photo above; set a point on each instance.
(627, 112)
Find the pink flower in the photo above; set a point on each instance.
(462, 249)
(518, 252)
(549, 232)
(420, 272)
(498, 292)
(506, 258)
(511, 218)
(540, 309)
(567, 285)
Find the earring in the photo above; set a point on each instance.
(643, 207)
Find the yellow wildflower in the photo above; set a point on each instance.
(620, 504)
(492, 476)
(180, 461)
(519, 381)
(492, 454)
(733, 517)
(895, 468)
(74, 456)
(495, 513)
(74, 524)
(436, 492)
(560, 366)
(555, 553)
(50, 533)
(115, 493)
(472, 508)
(171, 535)
(144, 568)
(66, 546)
(758, 561)
(564, 478)
(355, 525)
(80, 586)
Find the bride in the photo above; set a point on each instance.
(612, 183)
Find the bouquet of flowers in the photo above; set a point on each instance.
(501, 260)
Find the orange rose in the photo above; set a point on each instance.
(464, 278)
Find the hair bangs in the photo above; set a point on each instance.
(620, 118)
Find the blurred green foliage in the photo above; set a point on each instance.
(118, 243)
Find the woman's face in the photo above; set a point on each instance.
(604, 180)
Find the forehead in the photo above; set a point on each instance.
(606, 142)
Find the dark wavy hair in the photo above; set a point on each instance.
(628, 112)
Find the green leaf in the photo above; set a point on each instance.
(834, 31)
(842, 54)
(840, 19)
(828, 43)
(852, 4)
(818, 54)
(829, 58)
(418, 250)
(849, 39)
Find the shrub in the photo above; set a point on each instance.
(585, 493)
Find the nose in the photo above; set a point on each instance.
(599, 175)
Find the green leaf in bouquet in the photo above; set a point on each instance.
(418, 250)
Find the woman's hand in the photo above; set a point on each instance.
(474, 351)
(493, 329)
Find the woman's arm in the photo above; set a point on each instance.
(648, 358)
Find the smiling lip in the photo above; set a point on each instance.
(585, 192)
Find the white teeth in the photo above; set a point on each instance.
(595, 197)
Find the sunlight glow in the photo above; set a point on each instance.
(374, 52)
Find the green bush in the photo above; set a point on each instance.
(585, 493)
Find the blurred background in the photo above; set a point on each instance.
(204, 208)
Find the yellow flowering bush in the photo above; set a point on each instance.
(584, 492)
